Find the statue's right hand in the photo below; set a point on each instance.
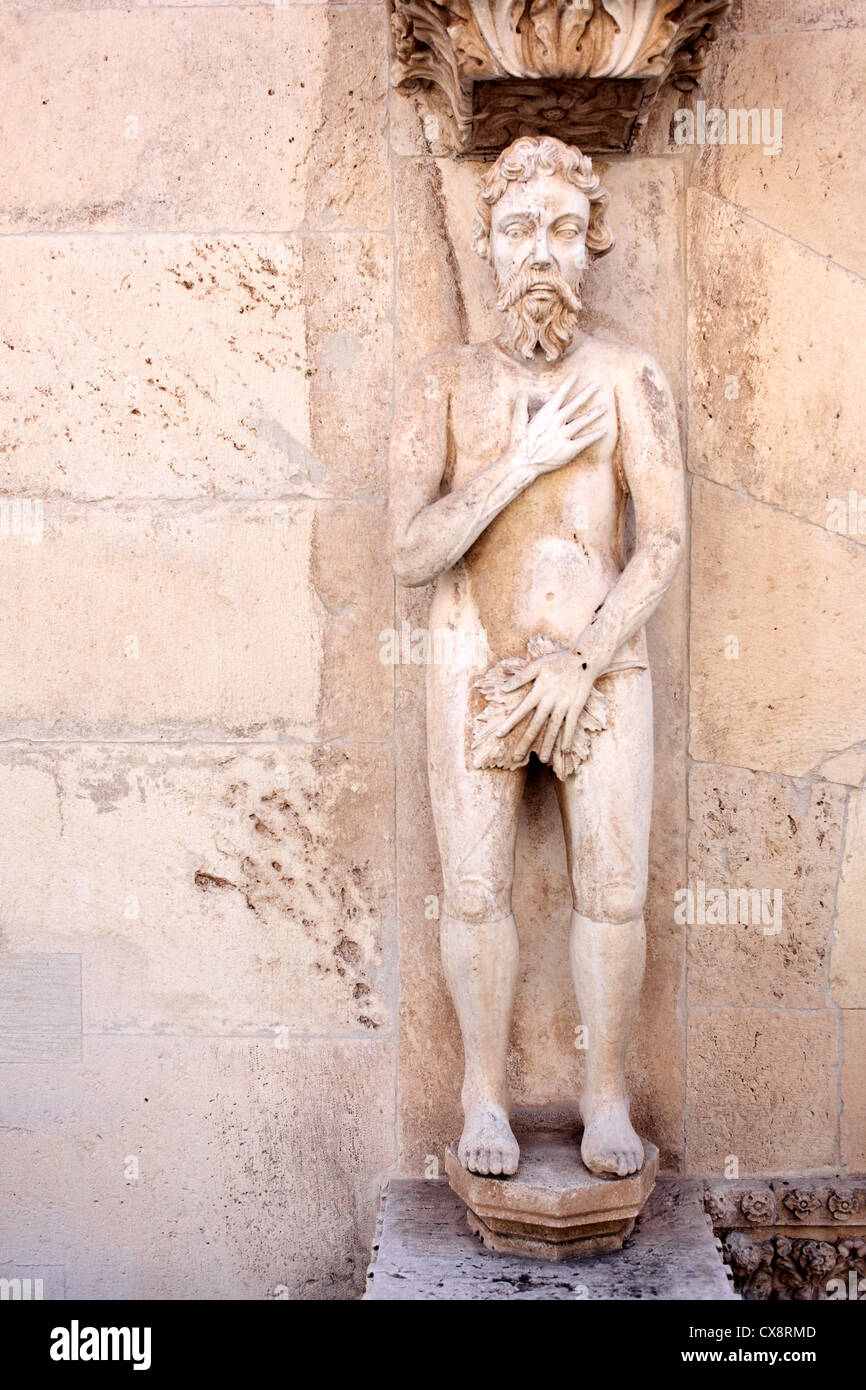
(563, 427)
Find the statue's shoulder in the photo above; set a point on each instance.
(630, 364)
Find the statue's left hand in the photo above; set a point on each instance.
(560, 687)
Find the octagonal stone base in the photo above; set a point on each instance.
(553, 1208)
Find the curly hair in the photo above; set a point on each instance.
(544, 154)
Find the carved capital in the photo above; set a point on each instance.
(597, 62)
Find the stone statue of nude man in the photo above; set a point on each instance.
(512, 464)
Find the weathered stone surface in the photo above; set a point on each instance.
(445, 294)
(762, 1089)
(238, 620)
(815, 85)
(792, 597)
(853, 1121)
(425, 1251)
(231, 1139)
(769, 17)
(260, 119)
(848, 956)
(750, 831)
(177, 367)
(764, 417)
(848, 768)
(208, 890)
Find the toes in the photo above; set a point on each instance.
(481, 1161)
(633, 1159)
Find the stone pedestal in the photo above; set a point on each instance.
(553, 1208)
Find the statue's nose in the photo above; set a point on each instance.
(541, 252)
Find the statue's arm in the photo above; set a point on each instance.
(430, 533)
(652, 461)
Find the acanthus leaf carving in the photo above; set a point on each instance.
(590, 44)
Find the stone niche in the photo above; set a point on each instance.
(585, 70)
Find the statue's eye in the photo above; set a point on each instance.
(516, 232)
(569, 233)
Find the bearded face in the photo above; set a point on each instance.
(541, 309)
(540, 260)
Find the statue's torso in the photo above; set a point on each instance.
(549, 559)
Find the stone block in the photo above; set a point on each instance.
(206, 889)
(770, 847)
(853, 1121)
(770, 412)
(817, 86)
(181, 367)
(178, 1168)
(264, 118)
(762, 1089)
(255, 620)
(778, 651)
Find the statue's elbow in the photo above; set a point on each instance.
(407, 571)
(675, 548)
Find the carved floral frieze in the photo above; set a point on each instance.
(756, 1224)
(585, 70)
(783, 1268)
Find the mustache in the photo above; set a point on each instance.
(525, 280)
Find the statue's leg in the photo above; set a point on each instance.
(476, 815)
(606, 816)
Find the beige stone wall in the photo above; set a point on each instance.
(224, 244)
(197, 901)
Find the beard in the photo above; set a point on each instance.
(548, 323)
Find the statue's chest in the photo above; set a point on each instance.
(480, 425)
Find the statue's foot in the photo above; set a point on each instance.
(609, 1143)
(487, 1144)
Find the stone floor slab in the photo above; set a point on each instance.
(425, 1250)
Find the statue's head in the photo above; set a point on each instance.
(540, 223)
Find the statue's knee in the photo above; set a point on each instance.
(619, 901)
(474, 900)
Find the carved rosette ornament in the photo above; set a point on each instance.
(584, 70)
